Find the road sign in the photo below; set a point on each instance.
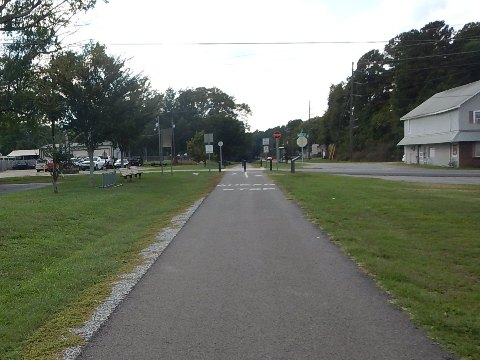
(266, 149)
(302, 141)
(277, 134)
(265, 141)
(209, 149)
(220, 143)
(208, 138)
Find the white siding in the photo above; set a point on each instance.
(434, 124)
(432, 154)
(471, 105)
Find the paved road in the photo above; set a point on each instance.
(249, 278)
(397, 172)
(9, 188)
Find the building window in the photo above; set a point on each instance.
(474, 117)
(476, 149)
(454, 149)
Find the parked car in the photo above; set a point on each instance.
(119, 164)
(109, 162)
(98, 164)
(41, 165)
(22, 165)
(50, 165)
(136, 161)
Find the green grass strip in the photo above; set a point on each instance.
(421, 242)
(59, 253)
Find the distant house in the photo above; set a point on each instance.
(445, 129)
(32, 154)
(78, 150)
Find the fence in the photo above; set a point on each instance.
(6, 164)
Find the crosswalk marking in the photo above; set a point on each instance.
(247, 187)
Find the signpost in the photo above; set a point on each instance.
(220, 144)
(209, 150)
(208, 139)
(277, 136)
(302, 142)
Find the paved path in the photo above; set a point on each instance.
(249, 278)
(9, 188)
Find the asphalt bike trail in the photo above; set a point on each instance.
(248, 277)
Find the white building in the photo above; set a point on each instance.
(445, 129)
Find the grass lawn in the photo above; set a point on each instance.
(421, 243)
(59, 253)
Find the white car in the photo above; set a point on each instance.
(98, 164)
(119, 165)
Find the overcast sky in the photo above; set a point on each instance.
(165, 40)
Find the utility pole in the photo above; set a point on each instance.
(350, 123)
(160, 147)
(172, 148)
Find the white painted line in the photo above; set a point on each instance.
(259, 175)
(255, 189)
(269, 189)
(228, 189)
(246, 174)
(257, 184)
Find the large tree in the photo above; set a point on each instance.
(29, 29)
(135, 105)
(210, 110)
(93, 84)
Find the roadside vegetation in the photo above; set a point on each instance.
(60, 254)
(419, 242)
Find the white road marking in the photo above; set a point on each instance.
(247, 187)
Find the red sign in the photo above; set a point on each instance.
(277, 134)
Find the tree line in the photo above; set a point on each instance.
(47, 93)
(93, 97)
(363, 114)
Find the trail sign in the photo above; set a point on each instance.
(208, 138)
(302, 141)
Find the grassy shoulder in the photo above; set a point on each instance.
(59, 254)
(419, 241)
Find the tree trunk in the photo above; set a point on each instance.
(90, 178)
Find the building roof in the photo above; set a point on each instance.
(441, 138)
(445, 101)
(33, 152)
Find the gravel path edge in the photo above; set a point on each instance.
(123, 287)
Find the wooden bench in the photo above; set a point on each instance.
(136, 171)
(130, 172)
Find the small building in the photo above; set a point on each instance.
(79, 150)
(445, 129)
